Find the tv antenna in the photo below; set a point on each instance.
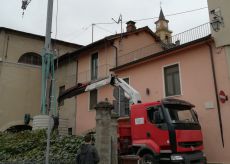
(25, 3)
(119, 21)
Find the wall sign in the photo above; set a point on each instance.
(222, 96)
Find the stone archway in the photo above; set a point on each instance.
(18, 128)
(15, 124)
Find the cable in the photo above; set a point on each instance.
(173, 14)
(79, 34)
(73, 32)
(56, 30)
(186, 11)
(103, 29)
(137, 20)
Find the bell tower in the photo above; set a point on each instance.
(162, 28)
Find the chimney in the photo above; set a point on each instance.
(130, 26)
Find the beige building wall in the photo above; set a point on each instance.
(66, 76)
(20, 84)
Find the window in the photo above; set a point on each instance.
(182, 115)
(172, 80)
(93, 99)
(153, 113)
(94, 66)
(126, 80)
(31, 58)
(70, 131)
(61, 90)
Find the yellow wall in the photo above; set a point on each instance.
(20, 84)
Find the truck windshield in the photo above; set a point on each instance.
(185, 115)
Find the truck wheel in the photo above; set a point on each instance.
(148, 159)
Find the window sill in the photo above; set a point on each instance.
(173, 96)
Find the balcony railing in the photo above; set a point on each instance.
(85, 76)
(176, 40)
(192, 34)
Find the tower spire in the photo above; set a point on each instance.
(162, 28)
(161, 16)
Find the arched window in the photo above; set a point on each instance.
(31, 58)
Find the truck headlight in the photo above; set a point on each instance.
(176, 158)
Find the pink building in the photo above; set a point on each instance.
(191, 69)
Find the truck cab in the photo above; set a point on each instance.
(166, 131)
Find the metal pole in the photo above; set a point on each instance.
(48, 141)
(46, 57)
(46, 72)
(49, 26)
(92, 31)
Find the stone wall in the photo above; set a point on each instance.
(106, 133)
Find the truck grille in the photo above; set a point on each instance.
(190, 144)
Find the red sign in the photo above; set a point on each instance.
(222, 96)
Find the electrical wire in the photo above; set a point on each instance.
(56, 32)
(186, 11)
(173, 14)
(137, 20)
(104, 29)
(77, 35)
(56, 28)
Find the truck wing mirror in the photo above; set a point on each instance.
(195, 113)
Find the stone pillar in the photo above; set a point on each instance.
(113, 134)
(103, 138)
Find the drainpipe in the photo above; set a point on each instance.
(116, 62)
(216, 93)
(7, 45)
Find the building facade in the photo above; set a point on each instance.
(193, 69)
(20, 75)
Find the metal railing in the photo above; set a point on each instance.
(176, 40)
(192, 34)
(102, 71)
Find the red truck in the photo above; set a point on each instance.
(166, 131)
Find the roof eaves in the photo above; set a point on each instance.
(38, 36)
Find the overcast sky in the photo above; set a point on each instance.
(75, 17)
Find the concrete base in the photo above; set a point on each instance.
(42, 122)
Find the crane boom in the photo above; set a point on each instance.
(112, 80)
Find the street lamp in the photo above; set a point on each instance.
(216, 19)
